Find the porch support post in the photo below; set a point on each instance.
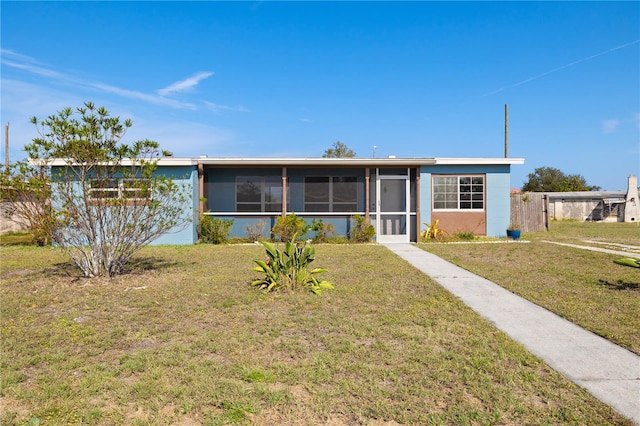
(201, 187)
(367, 178)
(284, 192)
(418, 221)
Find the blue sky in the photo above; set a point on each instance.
(288, 79)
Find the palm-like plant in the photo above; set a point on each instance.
(287, 269)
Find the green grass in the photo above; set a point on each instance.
(184, 339)
(569, 230)
(583, 286)
(16, 239)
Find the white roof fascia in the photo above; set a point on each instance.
(164, 161)
(478, 161)
(279, 162)
(355, 161)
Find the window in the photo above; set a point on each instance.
(259, 194)
(330, 194)
(458, 192)
(138, 189)
(129, 189)
(104, 188)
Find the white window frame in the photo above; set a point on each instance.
(118, 188)
(459, 200)
(124, 189)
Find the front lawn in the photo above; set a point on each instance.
(585, 287)
(183, 339)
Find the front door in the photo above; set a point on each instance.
(393, 218)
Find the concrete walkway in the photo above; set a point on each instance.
(609, 372)
(600, 249)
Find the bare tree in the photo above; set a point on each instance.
(106, 198)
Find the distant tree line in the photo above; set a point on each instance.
(550, 179)
(339, 150)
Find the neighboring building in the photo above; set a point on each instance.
(586, 205)
(10, 219)
(397, 195)
(609, 206)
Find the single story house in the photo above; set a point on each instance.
(397, 195)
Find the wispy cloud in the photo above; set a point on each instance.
(186, 84)
(570, 64)
(306, 120)
(184, 137)
(610, 126)
(32, 66)
(146, 97)
(613, 124)
(182, 134)
(217, 107)
(7, 53)
(25, 63)
(256, 5)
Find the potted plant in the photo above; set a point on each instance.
(513, 231)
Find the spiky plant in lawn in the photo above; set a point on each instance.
(287, 269)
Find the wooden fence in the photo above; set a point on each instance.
(530, 210)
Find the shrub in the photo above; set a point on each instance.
(287, 269)
(107, 198)
(213, 230)
(361, 230)
(324, 231)
(432, 232)
(466, 236)
(26, 195)
(288, 226)
(255, 231)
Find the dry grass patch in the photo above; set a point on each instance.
(183, 339)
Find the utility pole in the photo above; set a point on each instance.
(6, 146)
(506, 131)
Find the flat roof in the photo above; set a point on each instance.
(316, 161)
(163, 161)
(587, 195)
(355, 161)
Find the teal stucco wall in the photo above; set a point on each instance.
(497, 185)
(186, 177)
